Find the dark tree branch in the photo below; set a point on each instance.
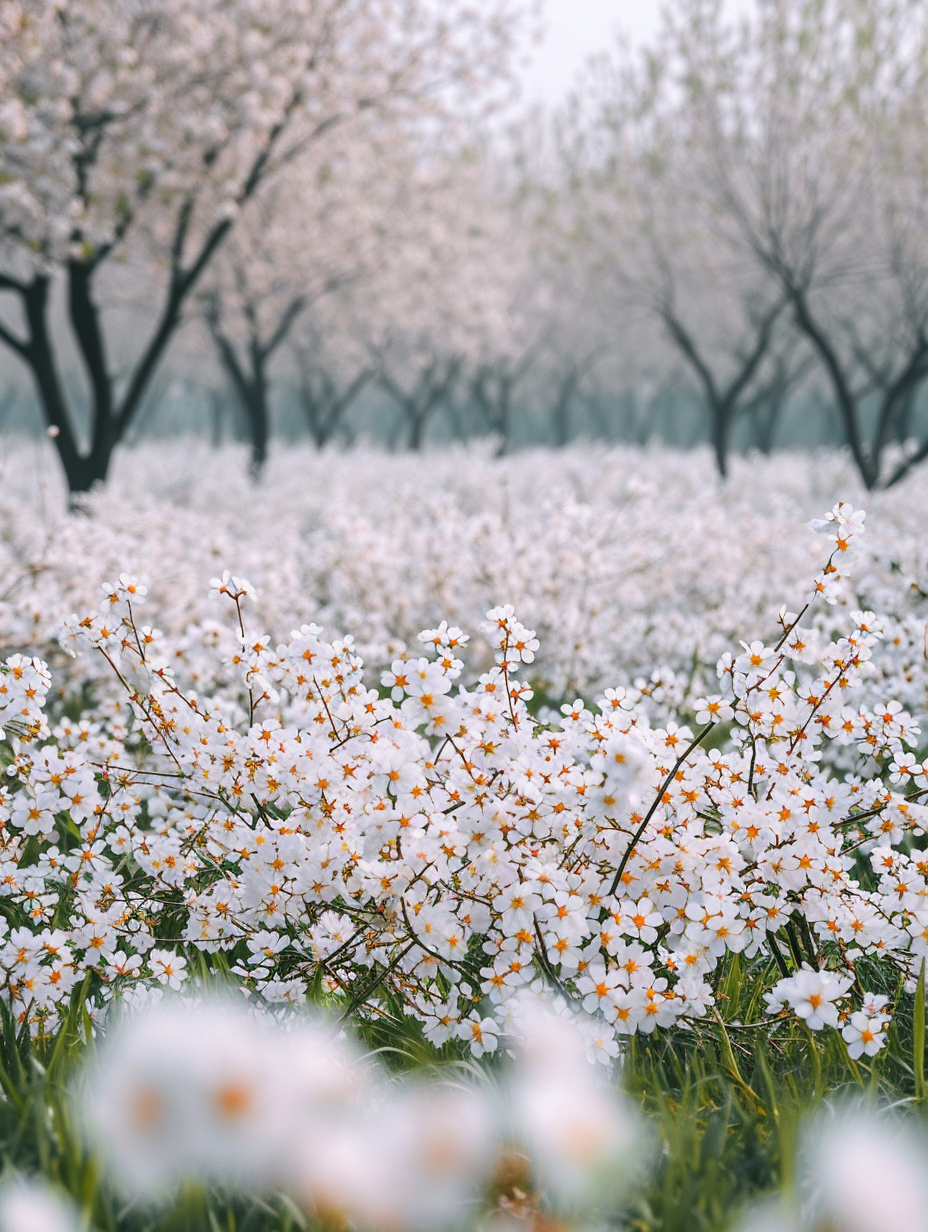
(19, 345)
(287, 321)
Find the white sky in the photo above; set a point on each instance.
(575, 29)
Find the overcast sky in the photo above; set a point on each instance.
(574, 29)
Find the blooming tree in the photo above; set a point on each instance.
(807, 132)
(750, 190)
(333, 370)
(447, 295)
(318, 228)
(662, 247)
(379, 232)
(137, 133)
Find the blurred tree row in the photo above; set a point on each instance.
(715, 235)
(759, 186)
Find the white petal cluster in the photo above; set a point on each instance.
(435, 848)
(32, 1206)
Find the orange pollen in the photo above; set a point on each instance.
(232, 1100)
(146, 1109)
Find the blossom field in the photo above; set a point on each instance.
(624, 562)
(561, 756)
(463, 616)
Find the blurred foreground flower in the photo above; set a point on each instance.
(581, 1135)
(216, 1093)
(863, 1171)
(32, 1206)
(867, 1173)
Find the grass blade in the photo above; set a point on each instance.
(918, 1036)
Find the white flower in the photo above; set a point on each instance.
(811, 995)
(482, 1034)
(865, 1173)
(32, 1206)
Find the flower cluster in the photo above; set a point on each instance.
(434, 848)
(24, 685)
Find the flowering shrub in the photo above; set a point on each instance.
(433, 848)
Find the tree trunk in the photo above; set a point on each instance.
(416, 420)
(251, 388)
(561, 416)
(904, 418)
(259, 419)
(318, 433)
(846, 403)
(503, 419)
(81, 470)
(216, 401)
(720, 435)
(561, 429)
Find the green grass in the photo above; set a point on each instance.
(726, 1103)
